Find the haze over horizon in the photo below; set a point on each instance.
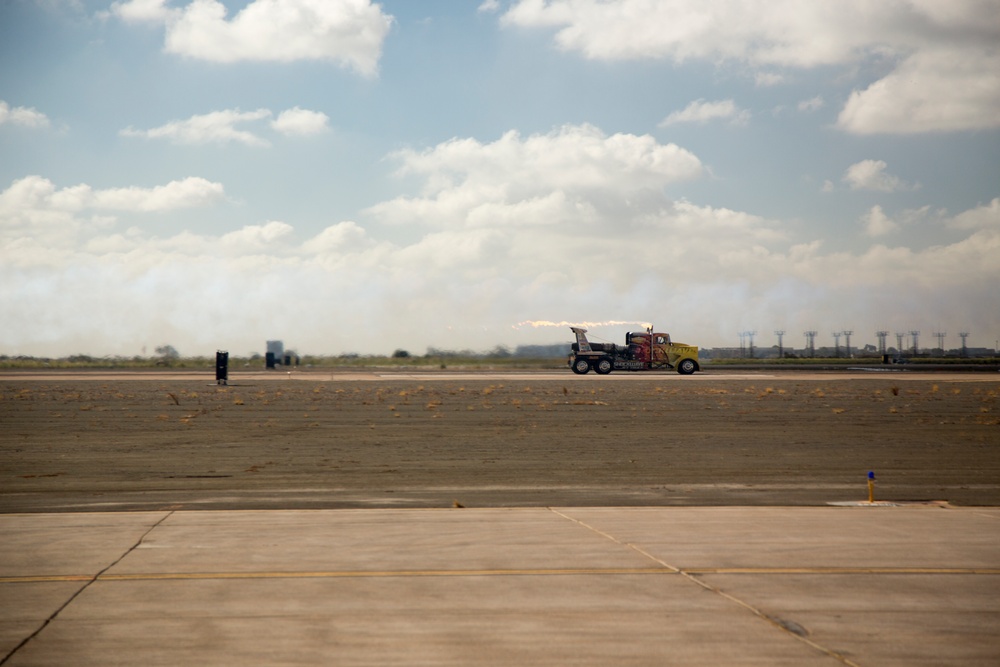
(350, 176)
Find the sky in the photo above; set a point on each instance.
(358, 177)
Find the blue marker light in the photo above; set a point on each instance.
(871, 474)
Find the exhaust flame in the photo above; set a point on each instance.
(582, 325)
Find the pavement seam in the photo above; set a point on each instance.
(780, 624)
(788, 628)
(614, 539)
(89, 581)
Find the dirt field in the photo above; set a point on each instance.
(154, 443)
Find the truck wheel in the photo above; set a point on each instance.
(581, 366)
(687, 367)
(603, 366)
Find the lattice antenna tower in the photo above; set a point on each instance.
(750, 335)
(916, 347)
(836, 343)
(810, 342)
(899, 342)
(940, 336)
(847, 336)
(881, 335)
(965, 349)
(780, 333)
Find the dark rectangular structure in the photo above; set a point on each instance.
(221, 367)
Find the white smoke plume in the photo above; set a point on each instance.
(582, 325)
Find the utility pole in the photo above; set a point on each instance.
(810, 342)
(847, 335)
(916, 348)
(940, 336)
(965, 350)
(781, 348)
(836, 343)
(881, 341)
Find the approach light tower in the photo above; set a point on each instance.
(781, 348)
(965, 350)
(916, 348)
(836, 343)
(810, 342)
(940, 336)
(881, 335)
(743, 345)
(847, 337)
(750, 335)
(899, 343)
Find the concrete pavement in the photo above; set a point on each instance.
(540, 586)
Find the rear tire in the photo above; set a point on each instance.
(687, 367)
(603, 366)
(581, 366)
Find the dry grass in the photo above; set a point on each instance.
(535, 435)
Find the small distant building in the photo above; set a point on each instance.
(275, 353)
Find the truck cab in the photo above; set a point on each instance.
(642, 352)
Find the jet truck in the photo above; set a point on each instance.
(645, 351)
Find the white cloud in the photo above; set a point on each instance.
(214, 127)
(35, 206)
(985, 217)
(871, 175)
(811, 104)
(24, 116)
(191, 192)
(489, 6)
(937, 90)
(568, 225)
(301, 122)
(457, 287)
(347, 32)
(763, 33)
(783, 33)
(337, 239)
(877, 223)
(142, 10)
(221, 127)
(702, 112)
(34, 193)
(540, 180)
(257, 238)
(948, 79)
(768, 79)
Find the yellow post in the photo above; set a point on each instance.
(871, 486)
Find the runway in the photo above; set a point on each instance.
(906, 586)
(448, 518)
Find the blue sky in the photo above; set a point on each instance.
(350, 176)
